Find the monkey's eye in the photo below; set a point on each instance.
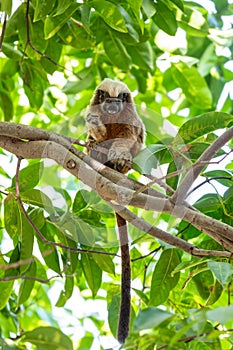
(102, 95)
(123, 96)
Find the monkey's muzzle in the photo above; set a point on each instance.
(112, 105)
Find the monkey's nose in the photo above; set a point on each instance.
(112, 106)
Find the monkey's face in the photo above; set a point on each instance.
(109, 104)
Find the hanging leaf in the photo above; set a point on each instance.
(165, 18)
(223, 271)
(162, 280)
(48, 338)
(116, 51)
(142, 55)
(92, 273)
(43, 8)
(53, 24)
(26, 285)
(193, 85)
(29, 176)
(203, 124)
(110, 14)
(151, 318)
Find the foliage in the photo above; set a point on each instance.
(176, 56)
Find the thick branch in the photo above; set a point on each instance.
(26, 132)
(122, 192)
(164, 236)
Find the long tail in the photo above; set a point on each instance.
(124, 318)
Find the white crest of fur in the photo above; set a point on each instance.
(113, 87)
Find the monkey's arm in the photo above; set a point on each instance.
(95, 127)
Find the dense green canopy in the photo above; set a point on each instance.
(59, 259)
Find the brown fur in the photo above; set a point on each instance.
(114, 139)
(115, 135)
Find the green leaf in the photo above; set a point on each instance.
(9, 69)
(192, 84)
(48, 338)
(74, 87)
(110, 14)
(37, 217)
(81, 200)
(162, 280)
(33, 84)
(208, 203)
(203, 124)
(91, 217)
(135, 6)
(142, 55)
(11, 52)
(148, 159)
(197, 32)
(10, 215)
(53, 24)
(26, 235)
(67, 292)
(197, 149)
(228, 195)
(179, 4)
(221, 314)
(74, 35)
(165, 18)
(26, 285)
(43, 8)
(105, 263)
(49, 252)
(84, 232)
(223, 271)
(53, 51)
(6, 6)
(92, 273)
(116, 51)
(6, 105)
(215, 293)
(113, 313)
(39, 199)
(150, 318)
(214, 174)
(62, 5)
(5, 287)
(204, 281)
(86, 341)
(29, 176)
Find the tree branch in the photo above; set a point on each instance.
(120, 191)
(181, 192)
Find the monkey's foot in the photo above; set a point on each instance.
(119, 160)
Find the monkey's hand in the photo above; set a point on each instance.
(119, 158)
(91, 144)
(95, 127)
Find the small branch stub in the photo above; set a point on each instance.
(71, 164)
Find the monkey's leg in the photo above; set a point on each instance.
(124, 318)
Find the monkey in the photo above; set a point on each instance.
(115, 136)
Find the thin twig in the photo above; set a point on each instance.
(29, 43)
(3, 30)
(41, 236)
(181, 192)
(208, 180)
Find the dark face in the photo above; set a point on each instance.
(111, 105)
